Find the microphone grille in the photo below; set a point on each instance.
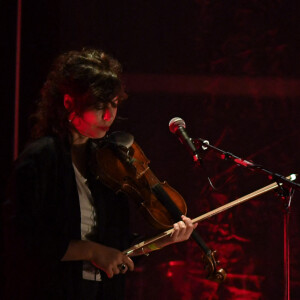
(175, 123)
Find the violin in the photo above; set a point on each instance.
(123, 167)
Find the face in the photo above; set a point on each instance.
(95, 122)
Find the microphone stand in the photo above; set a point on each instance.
(285, 193)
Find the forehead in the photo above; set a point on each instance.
(99, 103)
(92, 99)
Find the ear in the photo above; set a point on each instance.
(68, 102)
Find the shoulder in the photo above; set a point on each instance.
(41, 144)
(45, 149)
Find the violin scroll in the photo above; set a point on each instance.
(210, 262)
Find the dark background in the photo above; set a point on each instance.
(231, 70)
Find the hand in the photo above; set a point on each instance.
(109, 260)
(182, 230)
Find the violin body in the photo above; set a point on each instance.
(126, 169)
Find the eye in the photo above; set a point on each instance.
(99, 106)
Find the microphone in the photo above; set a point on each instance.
(177, 126)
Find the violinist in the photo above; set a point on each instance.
(64, 231)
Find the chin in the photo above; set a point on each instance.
(99, 136)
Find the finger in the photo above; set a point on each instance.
(130, 264)
(182, 230)
(181, 225)
(110, 273)
(175, 232)
(188, 232)
(189, 227)
(189, 223)
(187, 220)
(116, 270)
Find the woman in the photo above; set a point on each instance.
(67, 229)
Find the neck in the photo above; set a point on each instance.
(78, 139)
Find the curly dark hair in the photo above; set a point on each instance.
(89, 76)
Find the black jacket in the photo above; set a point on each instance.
(42, 215)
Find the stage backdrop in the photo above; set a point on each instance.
(230, 69)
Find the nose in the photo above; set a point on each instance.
(107, 114)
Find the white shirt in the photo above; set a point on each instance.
(88, 221)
